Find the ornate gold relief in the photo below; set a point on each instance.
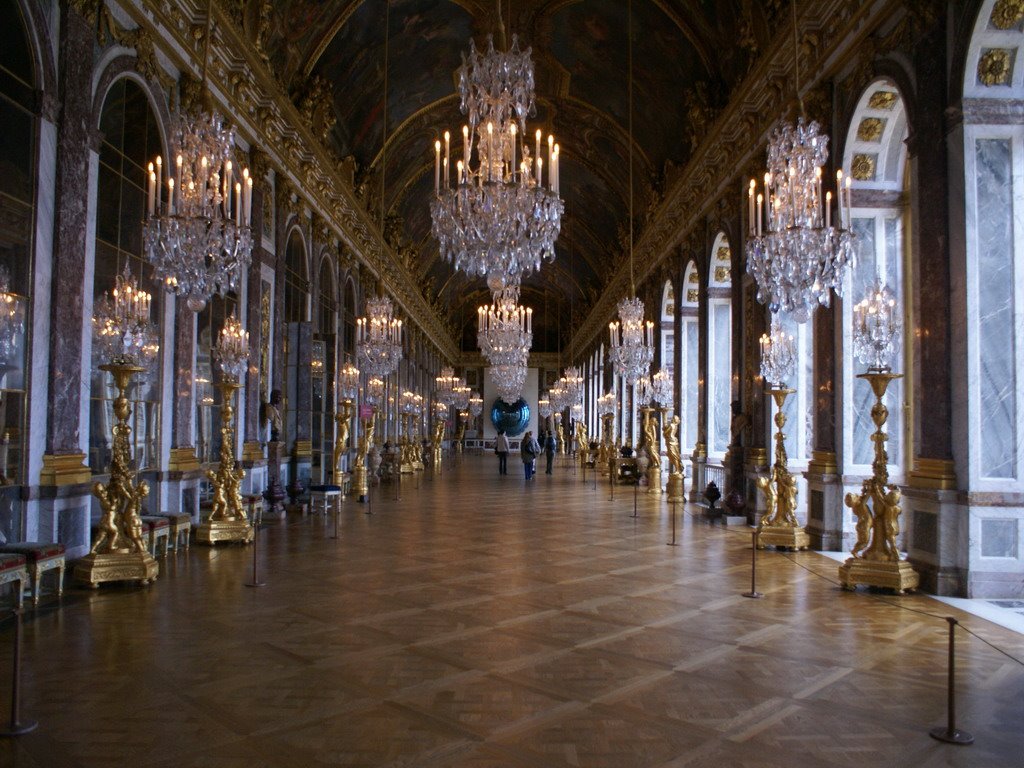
(994, 67)
(264, 340)
(723, 254)
(870, 129)
(691, 295)
(722, 274)
(694, 277)
(863, 167)
(1007, 14)
(882, 100)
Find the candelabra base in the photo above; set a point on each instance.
(96, 568)
(360, 482)
(783, 537)
(898, 575)
(654, 481)
(676, 494)
(213, 531)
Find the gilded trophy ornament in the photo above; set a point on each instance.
(875, 558)
(119, 552)
(779, 526)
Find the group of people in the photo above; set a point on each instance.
(529, 449)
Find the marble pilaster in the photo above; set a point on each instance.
(64, 460)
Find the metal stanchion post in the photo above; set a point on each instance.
(16, 727)
(753, 566)
(337, 511)
(673, 542)
(951, 734)
(635, 491)
(255, 578)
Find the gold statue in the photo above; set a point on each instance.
(651, 447)
(561, 437)
(437, 443)
(767, 487)
(859, 505)
(360, 474)
(675, 461)
(582, 444)
(227, 521)
(342, 419)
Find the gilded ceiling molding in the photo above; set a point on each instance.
(831, 31)
(248, 91)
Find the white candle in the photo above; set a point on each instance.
(459, 172)
(760, 204)
(839, 197)
(465, 148)
(512, 158)
(437, 167)
(150, 191)
(536, 153)
(159, 181)
(248, 201)
(540, 168)
(238, 205)
(828, 210)
(447, 164)
(529, 320)
(170, 195)
(490, 151)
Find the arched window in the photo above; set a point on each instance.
(690, 362)
(719, 347)
(131, 139)
(17, 212)
(668, 331)
(323, 366)
(296, 315)
(876, 157)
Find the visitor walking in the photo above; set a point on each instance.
(529, 450)
(549, 450)
(501, 448)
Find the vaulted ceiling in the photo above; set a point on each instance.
(687, 55)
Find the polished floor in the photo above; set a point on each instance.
(480, 622)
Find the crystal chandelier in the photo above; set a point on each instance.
(576, 411)
(504, 329)
(606, 404)
(661, 388)
(476, 404)
(876, 328)
(121, 325)
(232, 350)
(572, 383)
(643, 392)
(509, 381)
(379, 338)
(778, 355)
(198, 212)
(349, 381)
(12, 319)
(374, 390)
(499, 216)
(794, 253)
(445, 386)
(632, 341)
(461, 401)
(544, 407)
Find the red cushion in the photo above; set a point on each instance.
(34, 550)
(155, 522)
(9, 561)
(175, 517)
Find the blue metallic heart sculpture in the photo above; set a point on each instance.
(510, 419)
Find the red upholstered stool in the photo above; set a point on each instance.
(13, 568)
(156, 528)
(39, 558)
(179, 524)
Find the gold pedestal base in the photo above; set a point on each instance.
(213, 531)
(675, 488)
(899, 575)
(783, 537)
(654, 481)
(360, 485)
(93, 569)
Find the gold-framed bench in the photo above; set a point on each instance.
(156, 529)
(14, 568)
(178, 523)
(39, 558)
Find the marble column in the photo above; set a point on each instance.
(825, 510)
(252, 451)
(64, 459)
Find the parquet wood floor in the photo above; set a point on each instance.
(482, 622)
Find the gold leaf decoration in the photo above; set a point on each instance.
(863, 167)
(994, 67)
(1007, 14)
(870, 129)
(723, 254)
(691, 295)
(882, 100)
(722, 274)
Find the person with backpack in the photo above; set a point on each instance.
(529, 450)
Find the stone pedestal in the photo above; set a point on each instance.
(96, 568)
(898, 576)
(783, 537)
(676, 494)
(654, 480)
(274, 494)
(698, 461)
(824, 504)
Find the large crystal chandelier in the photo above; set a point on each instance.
(632, 341)
(445, 386)
(778, 355)
(122, 329)
(606, 404)
(876, 328)
(476, 404)
(198, 237)
(661, 388)
(794, 253)
(379, 338)
(544, 407)
(509, 380)
(12, 320)
(505, 329)
(572, 383)
(499, 216)
(462, 393)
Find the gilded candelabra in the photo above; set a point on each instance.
(343, 421)
(460, 432)
(582, 444)
(875, 558)
(675, 461)
(227, 521)
(652, 451)
(119, 552)
(562, 448)
(436, 445)
(606, 449)
(360, 474)
(779, 526)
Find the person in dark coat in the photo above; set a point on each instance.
(501, 448)
(550, 446)
(529, 450)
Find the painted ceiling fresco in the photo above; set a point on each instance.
(687, 55)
